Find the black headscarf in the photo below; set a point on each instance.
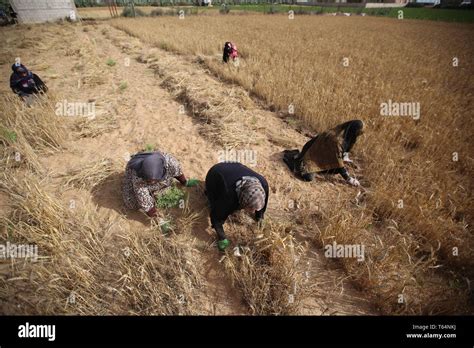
(148, 165)
(18, 67)
(16, 78)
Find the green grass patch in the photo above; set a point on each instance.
(111, 62)
(149, 147)
(9, 135)
(123, 85)
(434, 14)
(291, 121)
(170, 199)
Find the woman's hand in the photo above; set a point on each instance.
(152, 212)
(187, 182)
(182, 179)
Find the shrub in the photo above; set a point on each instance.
(128, 12)
(158, 12)
(224, 9)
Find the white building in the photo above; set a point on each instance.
(37, 11)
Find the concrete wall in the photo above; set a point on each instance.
(37, 11)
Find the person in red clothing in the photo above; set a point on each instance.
(229, 52)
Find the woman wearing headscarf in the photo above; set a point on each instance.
(25, 83)
(231, 187)
(326, 152)
(149, 173)
(229, 52)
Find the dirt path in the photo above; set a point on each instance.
(144, 98)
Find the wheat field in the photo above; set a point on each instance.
(294, 77)
(417, 170)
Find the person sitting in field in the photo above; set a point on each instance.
(231, 187)
(24, 83)
(230, 52)
(147, 174)
(326, 153)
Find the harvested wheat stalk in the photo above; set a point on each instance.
(90, 128)
(91, 175)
